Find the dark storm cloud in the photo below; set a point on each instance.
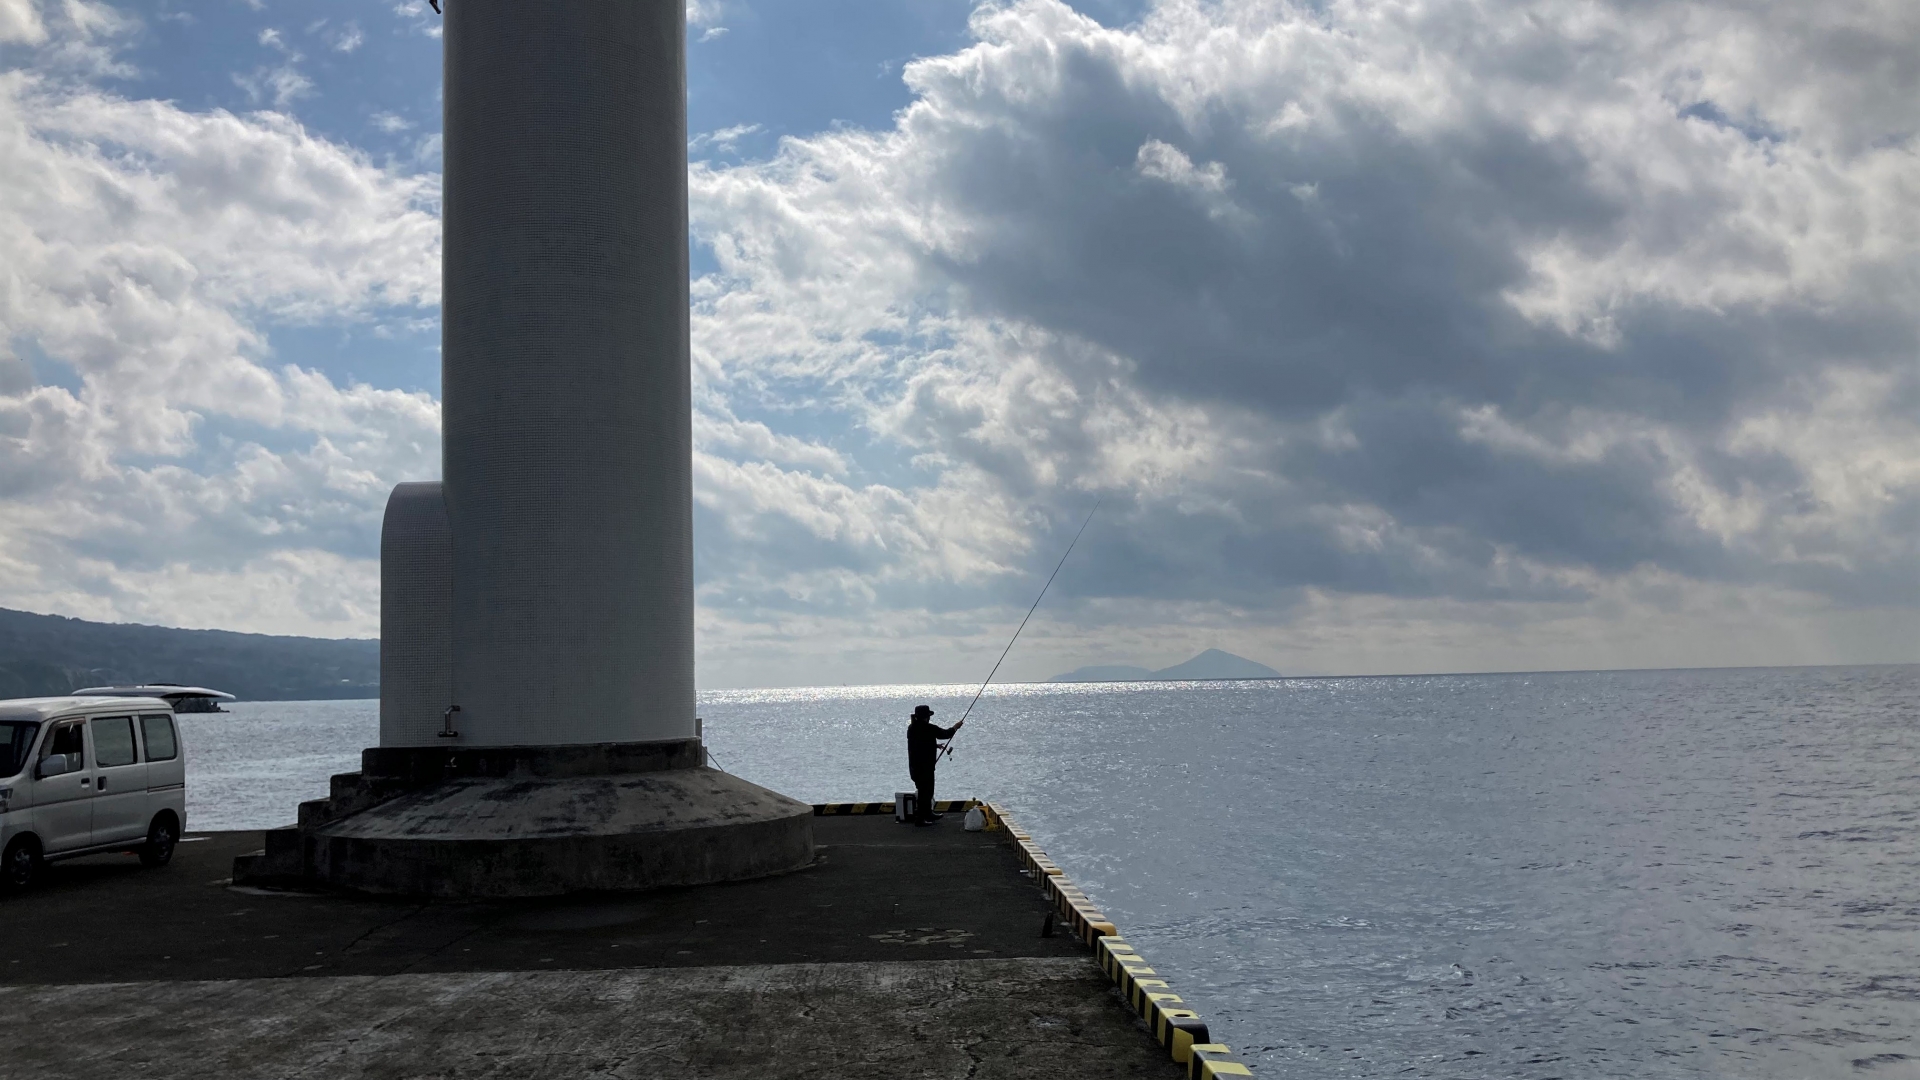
(1360, 267)
(1455, 319)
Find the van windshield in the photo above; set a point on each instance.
(16, 741)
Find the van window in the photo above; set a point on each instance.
(113, 741)
(158, 729)
(16, 742)
(67, 739)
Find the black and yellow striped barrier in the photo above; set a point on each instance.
(1088, 924)
(1177, 1027)
(1086, 920)
(1210, 1060)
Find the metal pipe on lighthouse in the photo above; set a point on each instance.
(567, 475)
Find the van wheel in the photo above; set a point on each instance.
(161, 836)
(20, 867)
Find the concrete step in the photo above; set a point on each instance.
(279, 863)
(344, 785)
(500, 837)
(350, 793)
(282, 845)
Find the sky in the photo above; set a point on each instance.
(1389, 336)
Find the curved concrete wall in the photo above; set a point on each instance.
(416, 598)
(565, 370)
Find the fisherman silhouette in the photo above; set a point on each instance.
(923, 752)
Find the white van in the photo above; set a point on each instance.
(84, 775)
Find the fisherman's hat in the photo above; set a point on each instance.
(923, 710)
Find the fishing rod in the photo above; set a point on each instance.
(946, 748)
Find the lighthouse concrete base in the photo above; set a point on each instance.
(495, 822)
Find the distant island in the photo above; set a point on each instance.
(44, 655)
(1212, 664)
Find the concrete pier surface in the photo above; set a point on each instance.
(903, 952)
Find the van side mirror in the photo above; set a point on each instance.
(52, 765)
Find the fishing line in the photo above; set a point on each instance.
(946, 750)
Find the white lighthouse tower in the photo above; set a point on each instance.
(565, 378)
(537, 728)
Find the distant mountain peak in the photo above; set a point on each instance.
(1211, 664)
(1218, 664)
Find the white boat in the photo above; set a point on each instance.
(184, 699)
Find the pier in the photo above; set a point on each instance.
(903, 952)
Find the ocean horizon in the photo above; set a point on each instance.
(970, 686)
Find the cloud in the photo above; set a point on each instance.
(420, 17)
(277, 86)
(725, 140)
(347, 38)
(1208, 184)
(20, 22)
(343, 38)
(68, 37)
(156, 462)
(1478, 306)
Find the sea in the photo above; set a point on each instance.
(1643, 874)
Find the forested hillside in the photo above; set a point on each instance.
(48, 654)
